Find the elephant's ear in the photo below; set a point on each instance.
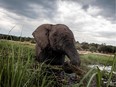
(41, 35)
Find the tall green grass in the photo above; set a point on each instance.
(97, 74)
(97, 59)
(17, 67)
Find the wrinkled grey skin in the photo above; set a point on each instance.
(53, 42)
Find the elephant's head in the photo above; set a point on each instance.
(59, 38)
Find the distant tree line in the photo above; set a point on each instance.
(94, 47)
(16, 38)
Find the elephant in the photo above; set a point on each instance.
(53, 42)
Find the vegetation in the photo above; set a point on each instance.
(19, 69)
(93, 47)
(16, 38)
(96, 59)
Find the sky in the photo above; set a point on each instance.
(92, 21)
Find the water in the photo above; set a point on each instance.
(102, 67)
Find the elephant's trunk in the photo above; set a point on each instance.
(73, 55)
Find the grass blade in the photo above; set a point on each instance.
(112, 69)
(98, 77)
(86, 75)
(88, 85)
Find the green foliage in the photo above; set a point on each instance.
(17, 66)
(16, 38)
(96, 59)
(85, 45)
(112, 69)
(97, 75)
(93, 47)
(107, 49)
(78, 46)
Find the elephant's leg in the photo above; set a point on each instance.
(45, 55)
(49, 56)
(52, 57)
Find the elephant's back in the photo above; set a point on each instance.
(43, 28)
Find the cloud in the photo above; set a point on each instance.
(92, 10)
(27, 7)
(107, 6)
(86, 19)
(84, 25)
